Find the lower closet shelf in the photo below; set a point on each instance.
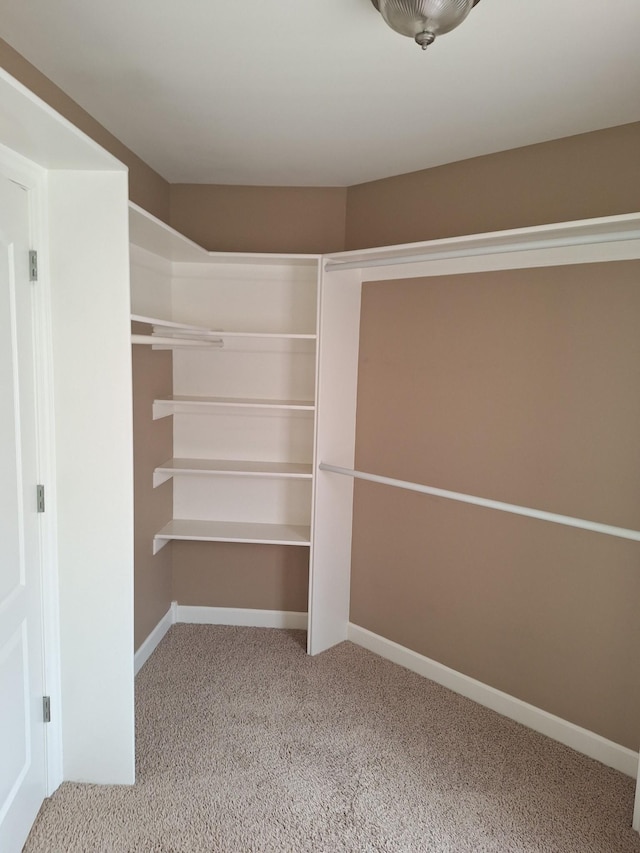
(232, 531)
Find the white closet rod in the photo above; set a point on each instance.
(567, 520)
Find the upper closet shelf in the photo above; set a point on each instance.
(602, 238)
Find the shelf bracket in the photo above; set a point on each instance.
(161, 410)
(158, 544)
(160, 477)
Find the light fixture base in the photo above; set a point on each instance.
(423, 20)
(424, 39)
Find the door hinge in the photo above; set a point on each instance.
(33, 265)
(46, 709)
(40, 498)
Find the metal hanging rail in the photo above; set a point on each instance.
(515, 509)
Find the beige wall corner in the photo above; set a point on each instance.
(146, 187)
(260, 219)
(578, 177)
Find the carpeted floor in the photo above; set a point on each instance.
(246, 745)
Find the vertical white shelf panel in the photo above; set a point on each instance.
(330, 573)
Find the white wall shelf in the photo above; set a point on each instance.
(230, 467)
(183, 404)
(193, 530)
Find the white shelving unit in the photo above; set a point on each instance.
(243, 330)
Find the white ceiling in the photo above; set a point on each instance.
(322, 92)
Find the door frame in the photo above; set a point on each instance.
(34, 178)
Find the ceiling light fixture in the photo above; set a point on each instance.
(423, 20)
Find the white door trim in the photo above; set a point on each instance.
(34, 178)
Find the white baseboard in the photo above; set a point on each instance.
(582, 740)
(149, 645)
(241, 616)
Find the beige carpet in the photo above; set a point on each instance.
(246, 745)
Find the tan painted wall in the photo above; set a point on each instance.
(146, 187)
(592, 174)
(152, 445)
(221, 574)
(520, 386)
(260, 219)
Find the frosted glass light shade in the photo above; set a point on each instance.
(423, 20)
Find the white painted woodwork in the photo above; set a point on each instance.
(36, 132)
(23, 767)
(89, 263)
(608, 238)
(286, 619)
(330, 574)
(82, 370)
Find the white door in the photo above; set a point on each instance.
(22, 734)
